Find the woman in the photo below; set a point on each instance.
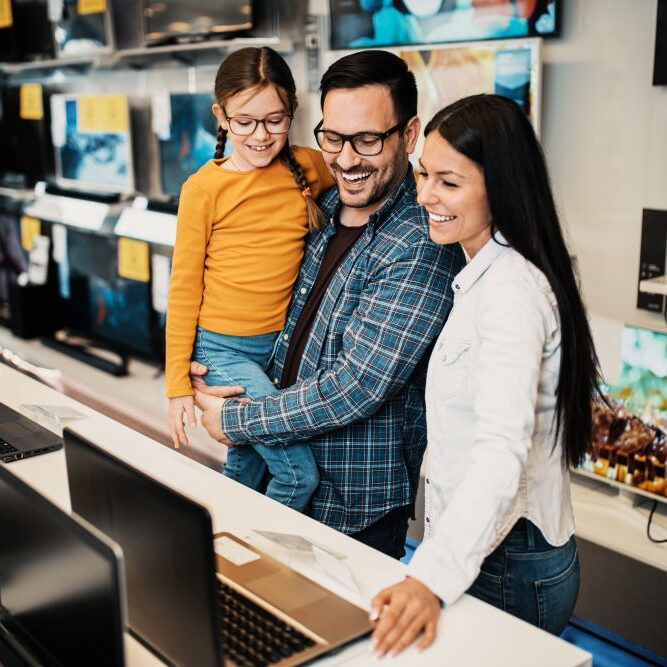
(509, 385)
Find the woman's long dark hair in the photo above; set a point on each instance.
(495, 133)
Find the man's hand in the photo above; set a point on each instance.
(406, 610)
(197, 372)
(211, 419)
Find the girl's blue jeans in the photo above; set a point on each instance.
(240, 360)
(529, 578)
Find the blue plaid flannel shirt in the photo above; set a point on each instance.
(359, 397)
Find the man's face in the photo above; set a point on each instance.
(365, 181)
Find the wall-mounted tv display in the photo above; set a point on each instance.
(92, 139)
(103, 304)
(660, 59)
(511, 68)
(79, 32)
(187, 136)
(357, 24)
(188, 19)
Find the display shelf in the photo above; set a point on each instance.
(620, 485)
(144, 56)
(657, 285)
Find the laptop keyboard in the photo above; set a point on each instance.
(253, 636)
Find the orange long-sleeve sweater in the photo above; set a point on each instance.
(239, 244)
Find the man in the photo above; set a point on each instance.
(372, 295)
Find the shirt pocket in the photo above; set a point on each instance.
(453, 361)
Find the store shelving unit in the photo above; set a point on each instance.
(141, 57)
(622, 488)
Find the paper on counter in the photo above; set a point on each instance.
(298, 543)
(336, 569)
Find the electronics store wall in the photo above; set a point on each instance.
(602, 128)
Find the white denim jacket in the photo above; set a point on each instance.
(490, 405)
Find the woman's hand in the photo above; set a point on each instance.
(405, 610)
(179, 407)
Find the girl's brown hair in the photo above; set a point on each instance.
(259, 68)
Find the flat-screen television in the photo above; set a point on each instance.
(186, 134)
(82, 32)
(660, 60)
(102, 304)
(27, 153)
(188, 19)
(92, 139)
(511, 68)
(357, 24)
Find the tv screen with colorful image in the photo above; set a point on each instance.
(357, 24)
(91, 135)
(511, 68)
(186, 134)
(79, 30)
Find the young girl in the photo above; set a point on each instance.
(242, 222)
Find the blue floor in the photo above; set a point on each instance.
(607, 649)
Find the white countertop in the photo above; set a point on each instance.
(470, 632)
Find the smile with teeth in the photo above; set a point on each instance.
(441, 218)
(259, 149)
(355, 177)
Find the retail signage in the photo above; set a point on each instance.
(91, 6)
(6, 19)
(30, 228)
(103, 113)
(31, 106)
(133, 260)
(151, 226)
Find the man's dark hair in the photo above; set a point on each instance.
(373, 68)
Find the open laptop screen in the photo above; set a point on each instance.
(168, 550)
(59, 583)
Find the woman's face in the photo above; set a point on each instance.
(451, 188)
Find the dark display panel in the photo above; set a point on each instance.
(357, 24)
(103, 304)
(27, 153)
(660, 60)
(30, 36)
(78, 33)
(59, 584)
(185, 19)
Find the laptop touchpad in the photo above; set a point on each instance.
(286, 590)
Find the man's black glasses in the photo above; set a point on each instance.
(363, 143)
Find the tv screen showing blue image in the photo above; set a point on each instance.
(357, 24)
(93, 145)
(103, 304)
(188, 140)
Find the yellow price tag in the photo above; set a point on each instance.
(30, 227)
(133, 260)
(91, 6)
(103, 113)
(31, 106)
(6, 18)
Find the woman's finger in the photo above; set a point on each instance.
(388, 619)
(410, 612)
(429, 635)
(408, 636)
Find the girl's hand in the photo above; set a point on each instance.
(405, 610)
(178, 408)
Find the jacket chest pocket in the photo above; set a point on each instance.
(452, 364)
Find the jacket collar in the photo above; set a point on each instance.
(477, 266)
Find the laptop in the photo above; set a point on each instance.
(61, 595)
(21, 437)
(193, 602)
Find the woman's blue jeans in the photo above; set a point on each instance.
(531, 579)
(240, 360)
